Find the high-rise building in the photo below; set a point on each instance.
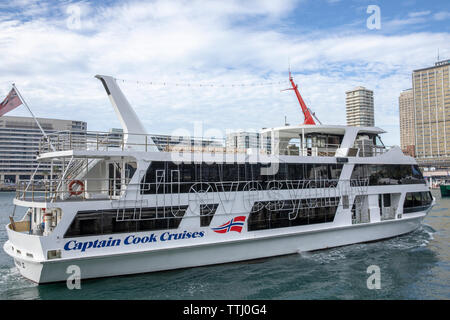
(407, 122)
(19, 144)
(243, 140)
(359, 107)
(431, 87)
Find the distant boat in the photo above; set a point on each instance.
(445, 189)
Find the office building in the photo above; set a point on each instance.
(431, 95)
(360, 107)
(407, 122)
(19, 144)
(243, 140)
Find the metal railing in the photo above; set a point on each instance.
(104, 141)
(56, 190)
(370, 150)
(314, 150)
(51, 190)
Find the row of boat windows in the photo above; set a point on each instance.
(291, 213)
(102, 222)
(417, 201)
(388, 174)
(161, 176)
(264, 215)
(167, 177)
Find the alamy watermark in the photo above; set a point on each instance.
(74, 279)
(374, 20)
(374, 280)
(73, 21)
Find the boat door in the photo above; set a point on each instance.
(160, 190)
(384, 202)
(114, 178)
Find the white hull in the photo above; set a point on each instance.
(213, 253)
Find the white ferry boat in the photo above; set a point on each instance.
(119, 204)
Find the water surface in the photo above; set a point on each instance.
(413, 266)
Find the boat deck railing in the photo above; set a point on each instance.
(107, 141)
(113, 141)
(56, 190)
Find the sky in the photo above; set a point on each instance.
(52, 50)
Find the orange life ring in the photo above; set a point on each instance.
(76, 193)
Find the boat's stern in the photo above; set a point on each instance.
(26, 251)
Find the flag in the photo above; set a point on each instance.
(11, 101)
(234, 224)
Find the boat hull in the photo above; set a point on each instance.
(212, 253)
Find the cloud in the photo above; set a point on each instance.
(203, 42)
(442, 15)
(419, 13)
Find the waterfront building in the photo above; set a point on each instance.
(360, 107)
(19, 143)
(243, 140)
(431, 94)
(407, 122)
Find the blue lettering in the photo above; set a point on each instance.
(67, 245)
(86, 245)
(162, 238)
(152, 238)
(131, 239)
(126, 239)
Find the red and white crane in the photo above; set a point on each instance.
(306, 111)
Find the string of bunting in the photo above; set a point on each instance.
(205, 85)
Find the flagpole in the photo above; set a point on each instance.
(39, 125)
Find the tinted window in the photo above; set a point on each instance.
(206, 214)
(290, 213)
(388, 174)
(417, 201)
(161, 176)
(99, 222)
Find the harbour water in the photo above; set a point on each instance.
(413, 266)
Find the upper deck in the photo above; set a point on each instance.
(303, 140)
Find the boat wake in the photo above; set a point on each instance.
(417, 239)
(11, 281)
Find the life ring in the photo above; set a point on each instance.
(76, 193)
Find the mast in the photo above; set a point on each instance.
(308, 117)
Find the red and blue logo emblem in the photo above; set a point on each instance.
(234, 224)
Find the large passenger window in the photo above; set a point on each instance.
(101, 222)
(291, 213)
(417, 201)
(388, 174)
(159, 177)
